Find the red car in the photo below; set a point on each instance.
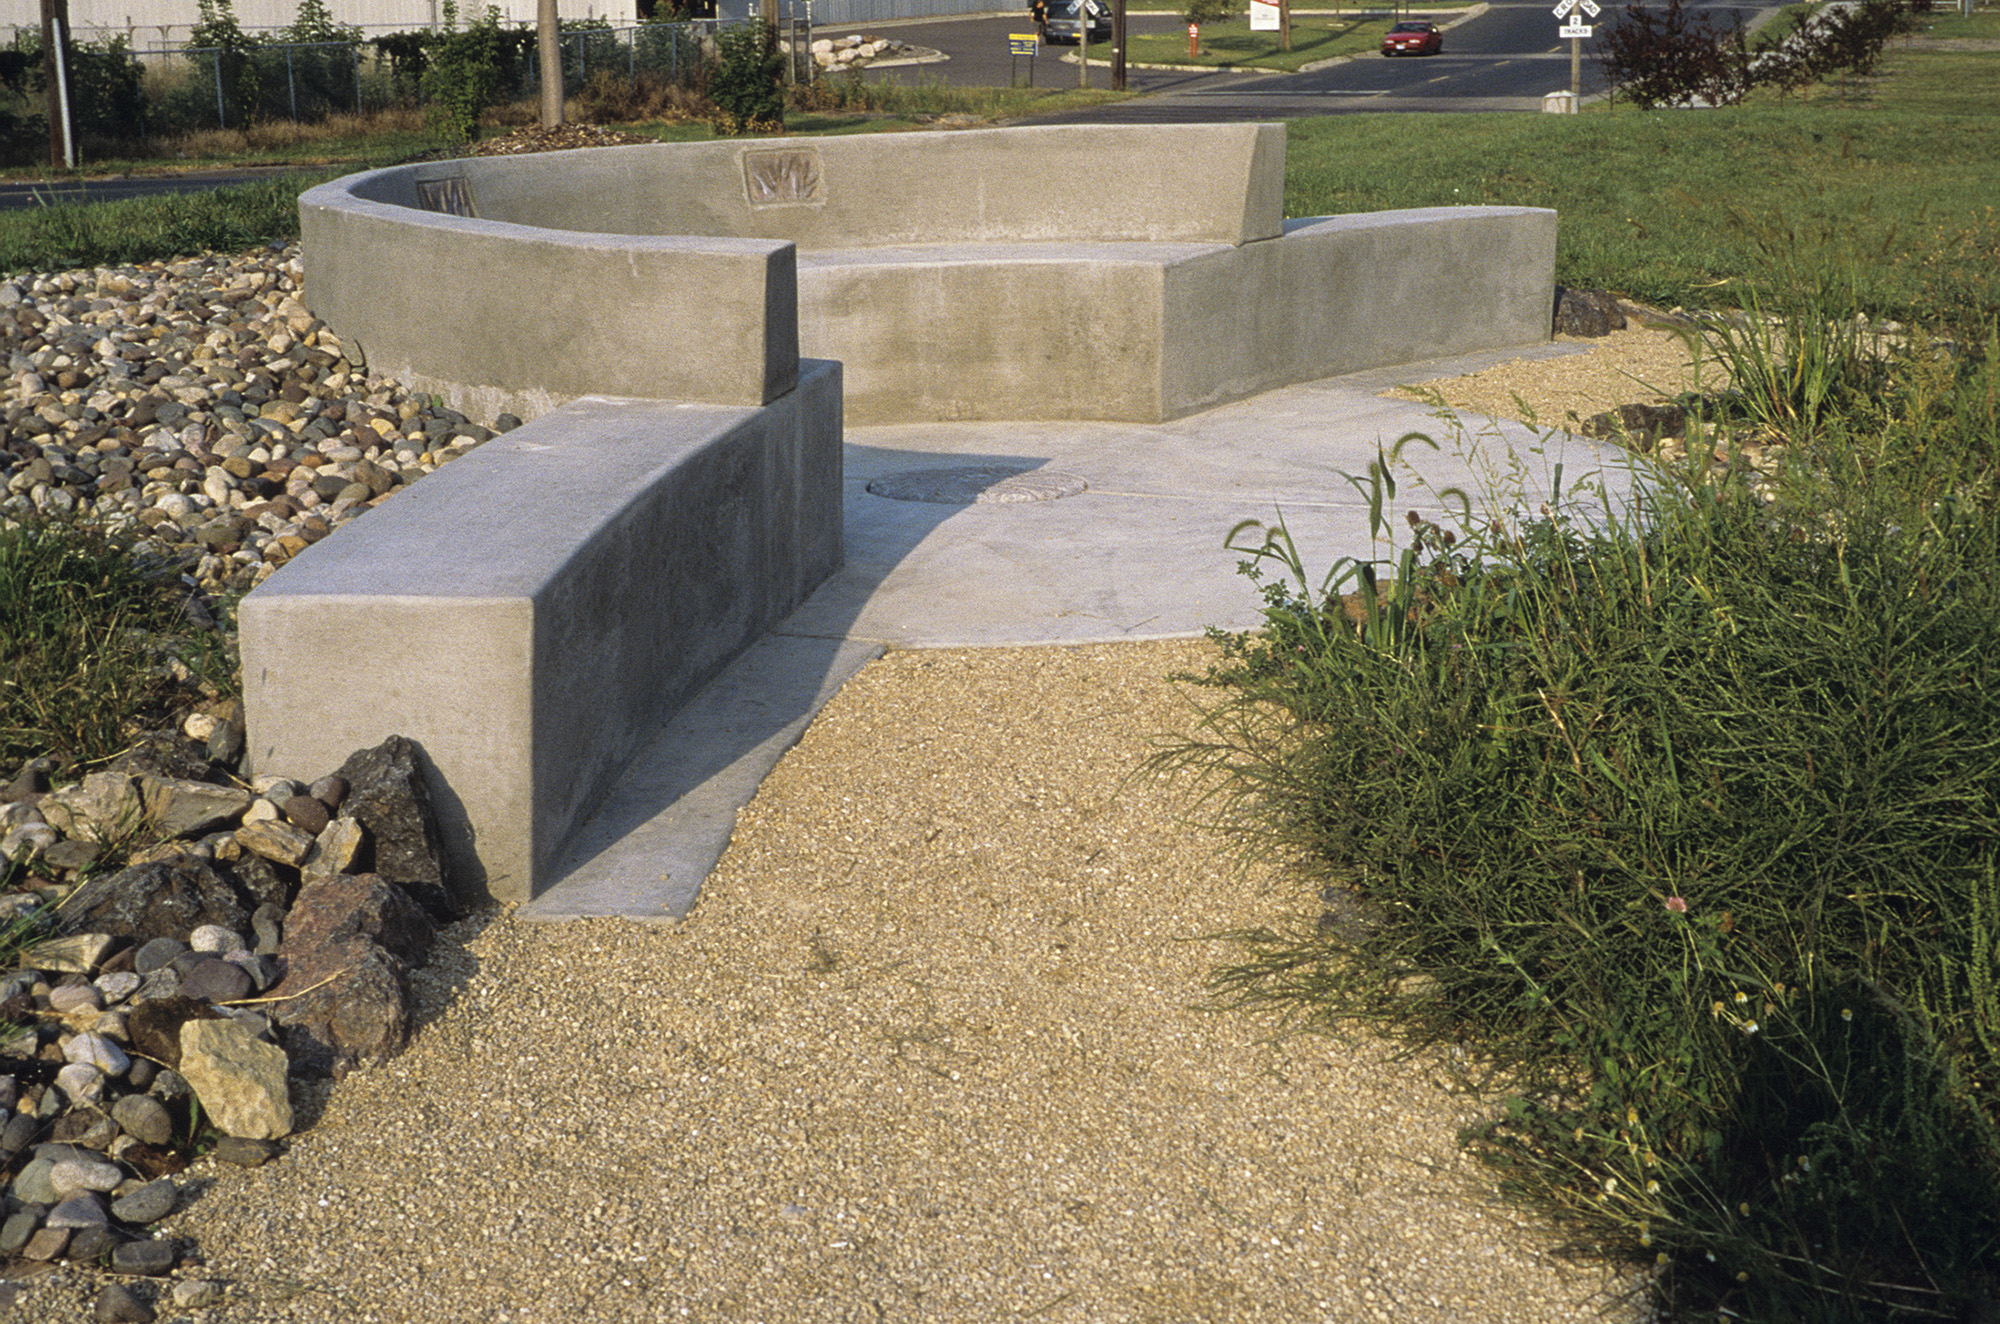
(1413, 37)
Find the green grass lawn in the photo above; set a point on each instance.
(1671, 206)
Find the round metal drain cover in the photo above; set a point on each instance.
(976, 484)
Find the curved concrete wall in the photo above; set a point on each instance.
(1117, 272)
(1219, 183)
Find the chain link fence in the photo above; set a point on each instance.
(196, 88)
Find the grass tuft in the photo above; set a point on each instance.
(92, 648)
(1685, 818)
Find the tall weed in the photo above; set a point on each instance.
(1688, 820)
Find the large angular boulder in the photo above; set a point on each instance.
(176, 807)
(388, 796)
(1589, 313)
(240, 1079)
(349, 945)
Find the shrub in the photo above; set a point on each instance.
(1685, 818)
(462, 78)
(1673, 58)
(748, 84)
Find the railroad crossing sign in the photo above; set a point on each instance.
(1572, 13)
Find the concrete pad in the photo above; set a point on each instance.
(1137, 555)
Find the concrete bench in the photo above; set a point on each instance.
(1118, 272)
(531, 613)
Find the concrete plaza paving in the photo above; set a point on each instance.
(1137, 554)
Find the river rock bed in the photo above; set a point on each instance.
(199, 404)
(260, 938)
(257, 938)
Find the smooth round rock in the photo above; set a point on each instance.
(119, 1304)
(144, 1118)
(244, 1152)
(84, 1210)
(46, 1244)
(149, 1258)
(31, 1183)
(217, 980)
(20, 1225)
(157, 954)
(149, 1204)
(307, 813)
(17, 1135)
(214, 940)
(91, 1244)
(68, 999)
(119, 986)
(97, 1051)
(197, 1294)
(81, 1082)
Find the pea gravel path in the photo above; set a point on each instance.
(928, 1049)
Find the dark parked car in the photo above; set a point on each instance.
(1063, 22)
(1413, 37)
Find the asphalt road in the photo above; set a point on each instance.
(1505, 58)
(28, 193)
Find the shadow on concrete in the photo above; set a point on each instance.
(671, 812)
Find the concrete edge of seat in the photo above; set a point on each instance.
(529, 634)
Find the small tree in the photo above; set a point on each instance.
(324, 75)
(1202, 12)
(222, 51)
(748, 84)
(463, 77)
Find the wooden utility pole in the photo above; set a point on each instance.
(548, 42)
(1118, 45)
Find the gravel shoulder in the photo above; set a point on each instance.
(933, 1046)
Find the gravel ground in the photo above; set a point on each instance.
(1639, 365)
(932, 1047)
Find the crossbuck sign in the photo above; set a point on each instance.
(1572, 13)
(1575, 27)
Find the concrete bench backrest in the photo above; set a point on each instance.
(1209, 183)
(505, 317)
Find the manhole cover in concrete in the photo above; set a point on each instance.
(965, 487)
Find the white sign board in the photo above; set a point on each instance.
(1562, 10)
(1263, 15)
(1573, 30)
